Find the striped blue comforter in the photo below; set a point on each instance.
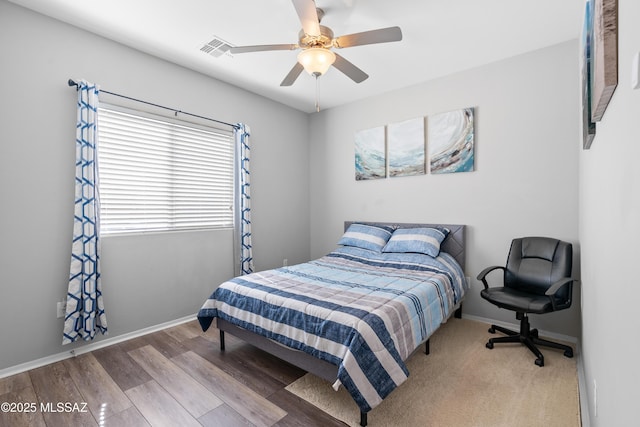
(362, 311)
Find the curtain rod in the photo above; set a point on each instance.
(73, 83)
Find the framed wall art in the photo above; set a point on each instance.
(588, 125)
(604, 58)
(406, 146)
(450, 141)
(370, 154)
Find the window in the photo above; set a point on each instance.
(159, 174)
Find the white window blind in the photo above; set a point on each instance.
(157, 174)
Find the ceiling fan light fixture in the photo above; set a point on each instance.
(316, 60)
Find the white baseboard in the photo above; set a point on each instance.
(23, 367)
(582, 389)
(516, 327)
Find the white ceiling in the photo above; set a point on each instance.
(440, 37)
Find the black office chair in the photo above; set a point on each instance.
(537, 279)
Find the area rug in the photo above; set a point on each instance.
(462, 383)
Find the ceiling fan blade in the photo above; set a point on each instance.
(382, 35)
(293, 75)
(261, 48)
(351, 71)
(306, 10)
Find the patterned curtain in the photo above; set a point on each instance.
(85, 309)
(243, 199)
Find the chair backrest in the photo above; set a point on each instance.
(535, 263)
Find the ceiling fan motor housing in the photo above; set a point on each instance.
(325, 39)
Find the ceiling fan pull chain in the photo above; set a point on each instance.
(317, 93)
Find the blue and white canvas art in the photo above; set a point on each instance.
(406, 147)
(370, 154)
(451, 140)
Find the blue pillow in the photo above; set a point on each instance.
(417, 240)
(366, 236)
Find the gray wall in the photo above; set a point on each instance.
(147, 279)
(609, 233)
(526, 178)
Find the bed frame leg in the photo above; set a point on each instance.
(458, 313)
(426, 347)
(221, 340)
(363, 419)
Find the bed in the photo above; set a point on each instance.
(356, 314)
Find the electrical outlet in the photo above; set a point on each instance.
(61, 307)
(285, 262)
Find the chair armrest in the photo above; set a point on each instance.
(556, 287)
(483, 274)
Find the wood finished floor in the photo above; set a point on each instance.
(174, 377)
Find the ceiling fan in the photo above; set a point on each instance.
(316, 42)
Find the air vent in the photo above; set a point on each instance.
(216, 47)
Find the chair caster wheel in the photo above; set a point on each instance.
(568, 353)
(534, 333)
(540, 362)
(489, 345)
(492, 330)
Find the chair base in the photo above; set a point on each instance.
(528, 337)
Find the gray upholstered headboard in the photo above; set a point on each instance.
(454, 244)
